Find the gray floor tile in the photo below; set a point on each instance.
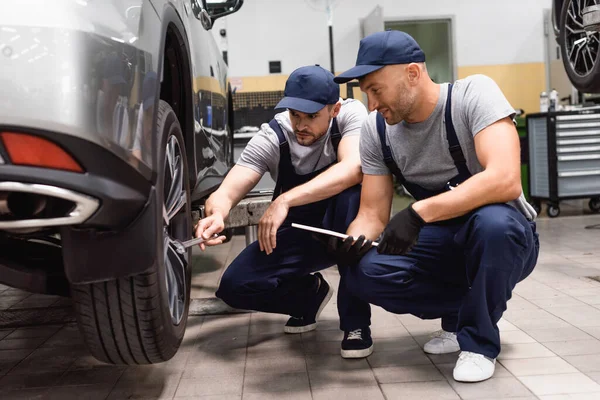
(279, 365)
(212, 397)
(277, 383)
(515, 337)
(438, 390)
(349, 393)
(574, 347)
(92, 392)
(559, 335)
(525, 350)
(413, 373)
(585, 363)
(103, 375)
(335, 363)
(327, 378)
(398, 358)
(24, 343)
(34, 332)
(579, 396)
(45, 360)
(500, 387)
(142, 382)
(216, 385)
(207, 370)
(30, 381)
(303, 395)
(26, 394)
(538, 366)
(560, 384)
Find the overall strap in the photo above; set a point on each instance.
(284, 155)
(453, 144)
(387, 153)
(336, 136)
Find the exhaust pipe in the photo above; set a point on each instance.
(25, 206)
(4, 210)
(22, 205)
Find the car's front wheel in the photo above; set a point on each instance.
(580, 49)
(142, 319)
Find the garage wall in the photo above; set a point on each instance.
(503, 39)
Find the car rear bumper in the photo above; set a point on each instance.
(109, 194)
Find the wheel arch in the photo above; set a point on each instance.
(174, 47)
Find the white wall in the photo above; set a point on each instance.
(487, 32)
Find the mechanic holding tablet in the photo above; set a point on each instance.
(460, 249)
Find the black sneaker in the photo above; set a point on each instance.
(309, 323)
(357, 343)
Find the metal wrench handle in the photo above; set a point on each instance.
(182, 246)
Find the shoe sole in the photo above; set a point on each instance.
(300, 329)
(311, 327)
(440, 351)
(471, 380)
(357, 353)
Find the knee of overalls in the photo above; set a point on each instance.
(376, 274)
(497, 225)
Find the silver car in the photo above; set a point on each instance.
(115, 120)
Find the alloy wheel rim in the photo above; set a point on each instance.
(582, 46)
(175, 201)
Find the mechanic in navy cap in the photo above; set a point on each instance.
(311, 151)
(458, 251)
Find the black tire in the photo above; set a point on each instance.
(553, 211)
(594, 204)
(129, 320)
(582, 67)
(537, 206)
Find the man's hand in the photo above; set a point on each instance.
(346, 251)
(401, 233)
(270, 223)
(207, 227)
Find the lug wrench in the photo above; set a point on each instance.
(181, 247)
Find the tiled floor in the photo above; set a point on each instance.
(550, 335)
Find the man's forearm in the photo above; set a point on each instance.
(334, 180)
(479, 190)
(219, 202)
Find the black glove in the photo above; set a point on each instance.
(345, 251)
(401, 233)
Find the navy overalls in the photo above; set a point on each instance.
(282, 282)
(462, 270)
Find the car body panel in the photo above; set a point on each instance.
(91, 69)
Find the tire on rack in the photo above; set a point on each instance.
(580, 51)
(594, 204)
(142, 319)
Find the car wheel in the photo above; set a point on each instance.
(579, 49)
(142, 319)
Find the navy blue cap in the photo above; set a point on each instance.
(380, 49)
(309, 89)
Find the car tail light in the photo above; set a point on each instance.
(24, 149)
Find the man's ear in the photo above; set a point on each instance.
(413, 72)
(336, 109)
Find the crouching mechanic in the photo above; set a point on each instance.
(311, 151)
(460, 249)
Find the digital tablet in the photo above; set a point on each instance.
(324, 231)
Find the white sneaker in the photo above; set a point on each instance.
(473, 367)
(443, 342)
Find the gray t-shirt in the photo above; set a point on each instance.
(421, 149)
(262, 151)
